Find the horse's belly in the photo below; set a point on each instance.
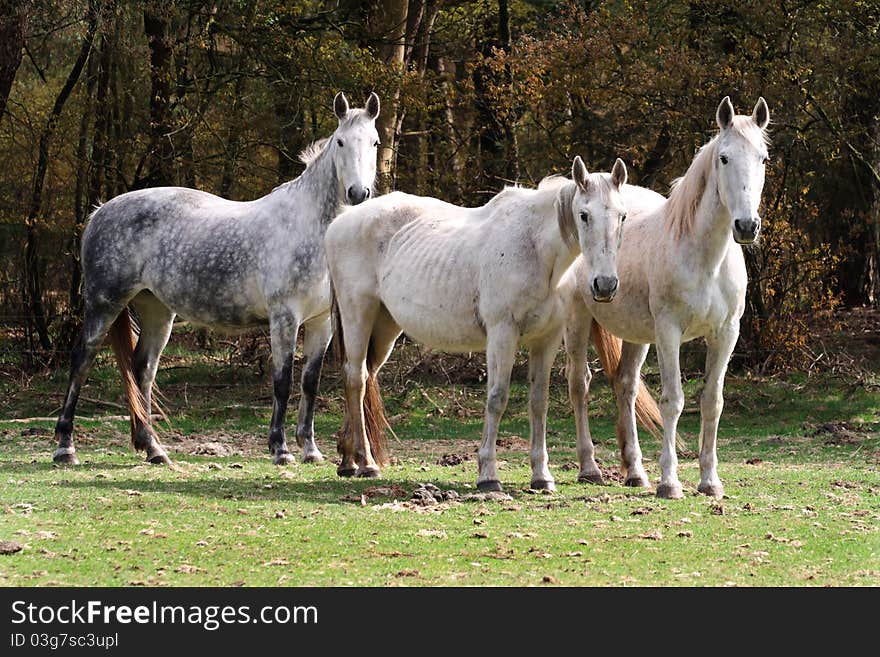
(434, 317)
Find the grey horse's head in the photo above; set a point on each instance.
(354, 147)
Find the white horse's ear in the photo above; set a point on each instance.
(373, 106)
(340, 106)
(724, 115)
(618, 173)
(761, 114)
(579, 172)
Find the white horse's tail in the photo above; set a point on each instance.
(374, 409)
(609, 348)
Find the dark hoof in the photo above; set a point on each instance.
(591, 478)
(670, 491)
(159, 459)
(65, 456)
(542, 485)
(283, 458)
(636, 482)
(313, 458)
(490, 486)
(712, 490)
(370, 472)
(345, 471)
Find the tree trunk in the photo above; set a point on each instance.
(160, 165)
(13, 26)
(32, 258)
(387, 26)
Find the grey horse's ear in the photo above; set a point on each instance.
(724, 115)
(373, 106)
(340, 106)
(579, 172)
(618, 173)
(761, 113)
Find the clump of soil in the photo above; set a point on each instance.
(448, 460)
(839, 433)
(428, 494)
(513, 442)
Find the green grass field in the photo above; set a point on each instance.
(799, 456)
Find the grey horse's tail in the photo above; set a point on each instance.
(648, 413)
(374, 409)
(123, 341)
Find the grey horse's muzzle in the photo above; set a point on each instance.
(357, 194)
(604, 288)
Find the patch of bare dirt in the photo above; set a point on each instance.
(838, 433)
(513, 443)
(214, 443)
(10, 547)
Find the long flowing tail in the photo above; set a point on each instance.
(374, 409)
(609, 348)
(123, 342)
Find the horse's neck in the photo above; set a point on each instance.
(558, 255)
(712, 238)
(313, 197)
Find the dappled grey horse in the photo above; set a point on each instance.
(170, 251)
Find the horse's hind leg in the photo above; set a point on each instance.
(283, 327)
(98, 319)
(316, 336)
(155, 321)
(540, 362)
(626, 388)
(577, 369)
(500, 354)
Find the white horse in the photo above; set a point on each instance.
(467, 279)
(682, 276)
(170, 251)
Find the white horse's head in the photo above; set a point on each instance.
(354, 147)
(597, 212)
(740, 163)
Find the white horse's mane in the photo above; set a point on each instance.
(311, 152)
(686, 192)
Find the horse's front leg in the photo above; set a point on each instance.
(500, 354)
(541, 358)
(668, 340)
(283, 327)
(719, 348)
(577, 371)
(317, 334)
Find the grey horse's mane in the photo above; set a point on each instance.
(311, 152)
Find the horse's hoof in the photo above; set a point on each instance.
(489, 486)
(670, 491)
(283, 458)
(313, 457)
(345, 471)
(159, 459)
(65, 456)
(712, 490)
(591, 478)
(369, 472)
(543, 484)
(636, 482)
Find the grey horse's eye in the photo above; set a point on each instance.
(339, 141)
(723, 159)
(585, 217)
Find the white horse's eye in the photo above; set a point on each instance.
(765, 161)
(723, 159)
(339, 141)
(623, 217)
(585, 217)
(376, 145)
